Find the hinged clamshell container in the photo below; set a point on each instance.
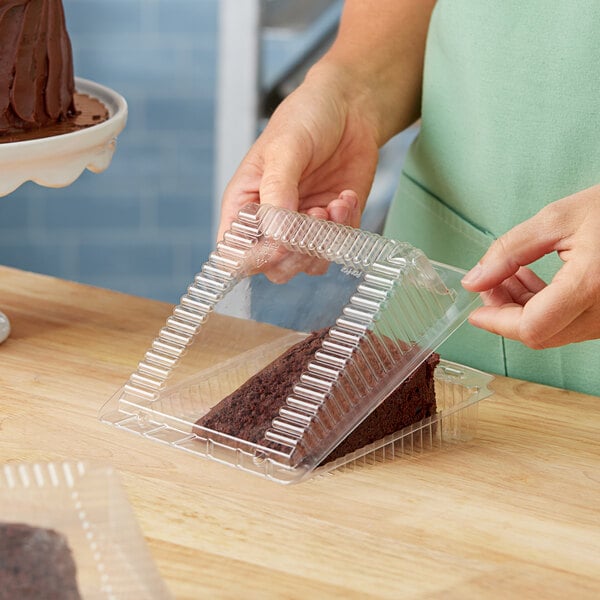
(380, 310)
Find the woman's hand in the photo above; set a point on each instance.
(317, 155)
(518, 304)
(319, 151)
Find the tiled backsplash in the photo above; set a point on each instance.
(144, 225)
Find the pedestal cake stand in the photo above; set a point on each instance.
(59, 160)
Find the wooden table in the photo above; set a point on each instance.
(513, 514)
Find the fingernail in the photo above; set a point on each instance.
(473, 275)
(340, 214)
(351, 196)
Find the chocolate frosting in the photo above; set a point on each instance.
(36, 65)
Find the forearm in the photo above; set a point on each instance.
(378, 59)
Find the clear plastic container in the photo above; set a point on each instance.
(383, 308)
(87, 506)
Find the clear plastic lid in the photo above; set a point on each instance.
(379, 312)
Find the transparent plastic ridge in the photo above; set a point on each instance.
(458, 391)
(401, 308)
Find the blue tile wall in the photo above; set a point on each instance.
(144, 225)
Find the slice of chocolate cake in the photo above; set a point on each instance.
(37, 85)
(35, 563)
(248, 412)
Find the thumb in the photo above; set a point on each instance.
(280, 180)
(262, 177)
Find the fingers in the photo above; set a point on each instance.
(520, 246)
(241, 190)
(519, 288)
(530, 281)
(285, 265)
(284, 163)
(277, 185)
(506, 321)
(269, 173)
(345, 209)
(292, 263)
(318, 212)
(518, 304)
(536, 314)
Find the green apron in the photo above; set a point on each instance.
(510, 122)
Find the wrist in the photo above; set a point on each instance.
(378, 58)
(352, 92)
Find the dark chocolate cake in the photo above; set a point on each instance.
(248, 412)
(37, 85)
(35, 563)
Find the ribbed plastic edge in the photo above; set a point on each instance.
(240, 254)
(458, 392)
(400, 298)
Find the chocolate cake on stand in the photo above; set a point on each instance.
(52, 125)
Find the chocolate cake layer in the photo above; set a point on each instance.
(412, 401)
(248, 412)
(35, 563)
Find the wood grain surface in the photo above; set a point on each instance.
(514, 513)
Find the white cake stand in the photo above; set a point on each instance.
(57, 161)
